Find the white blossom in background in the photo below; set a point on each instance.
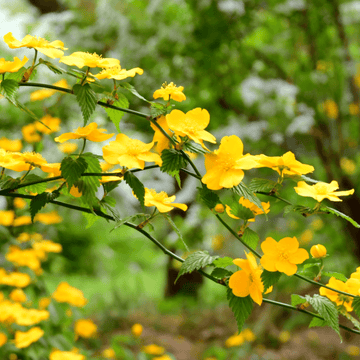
(350, 12)
(290, 5)
(303, 122)
(231, 6)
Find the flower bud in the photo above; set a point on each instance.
(318, 251)
(219, 208)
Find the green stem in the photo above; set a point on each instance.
(83, 148)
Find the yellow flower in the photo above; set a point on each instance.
(44, 303)
(29, 317)
(49, 218)
(162, 141)
(224, 167)
(67, 148)
(12, 66)
(161, 201)
(65, 355)
(10, 145)
(306, 236)
(85, 328)
(163, 357)
(331, 109)
(137, 330)
(30, 134)
(81, 59)
(334, 296)
(28, 257)
(153, 349)
(52, 123)
(89, 132)
(109, 353)
(282, 256)
(12, 161)
(68, 294)
(318, 251)
(3, 339)
(24, 339)
(321, 191)
(248, 335)
(105, 179)
(191, 124)
(285, 165)
(317, 224)
(19, 203)
(45, 93)
(131, 153)
(217, 242)
(17, 295)
(235, 340)
(50, 49)
(353, 350)
(7, 217)
(168, 91)
(284, 336)
(354, 109)
(47, 246)
(117, 73)
(251, 206)
(14, 279)
(53, 169)
(22, 220)
(248, 280)
(348, 165)
(219, 208)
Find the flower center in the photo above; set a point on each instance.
(226, 162)
(284, 257)
(322, 189)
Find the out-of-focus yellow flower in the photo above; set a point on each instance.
(306, 236)
(81, 59)
(22, 220)
(153, 349)
(49, 218)
(24, 339)
(318, 251)
(321, 191)
(32, 158)
(161, 201)
(12, 66)
(117, 73)
(28, 257)
(47, 246)
(248, 335)
(3, 339)
(248, 280)
(44, 302)
(251, 206)
(89, 132)
(10, 145)
(317, 224)
(163, 357)
(331, 109)
(168, 91)
(354, 109)
(30, 134)
(74, 191)
(65, 355)
(19, 203)
(284, 336)
(53, 169)
(7, 217)
(46, 93)
(353, 350)
(224, 167)
(109, 353)
(131, 153)
(67, 148)
(68, 313)
(50, 49)
(217, 242)
(192, 125)
(68, 294)
(282, 256)
(52, 123)
(17, 279)
(235, 340)
(348, 166)
(18, 295)
(85, 328)
(219, 208)
(137, 330)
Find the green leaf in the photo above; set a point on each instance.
(250, 238)
(303, 210)
(193, 148)
(240, 306)
(39, 201)
(223, 262)
(90, 219)
(9, 88)
(326, 309)
(22, 108)
(317, 322)
(244, 191)
(108, 200)
(195, 261)
(338, 213)
(307, 179)
(221, 273)
(91, 183)
(86, 98)
(208, 197)
(35, 188)
(130, 88)
(116, 115)
(172, 161)
(55, 69)
(336, 275)
(269, 278)
(175, 228)
(115, 214)
(297, 300)
(71, 169)
(356, 305)
(262, 185)
(241, 211)
(17, 76)
(136, 186)
(355, 322)
(111, 185)
(157, 109)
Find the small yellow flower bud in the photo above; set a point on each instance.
(137, 329)
(318, 251)
(219, 208)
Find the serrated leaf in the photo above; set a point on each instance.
(131, 88)
(221, 273)
(326, 309)
(71, 169)
(317, 322)
(338, 213)
(223, 262)
(157, 109)
(55, 69)
(9, 183)
(297, 299)
(336, 275)
(116, 115)
(195, 261)
(208, 197)
(90, 219)
(110, 186)
(250, 238)
(17, 76)
(172, 161)
(241, 211)
(115, 214)
(9, 88)
(303, 210)
(262, 185)
(92, 183)
(269, 278)
(109, 200)
(39, 201)
(240, 306)
(87, 100)
(35, 188)
(136, 186)
(356, 305)
(175, 228)
(193, 148)
(244, 191)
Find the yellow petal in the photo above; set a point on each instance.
(299, 256)
(239, 282)
(286, 267)
(269, 246)
(231, 178)
(268, 262)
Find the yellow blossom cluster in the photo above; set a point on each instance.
(245, 335)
